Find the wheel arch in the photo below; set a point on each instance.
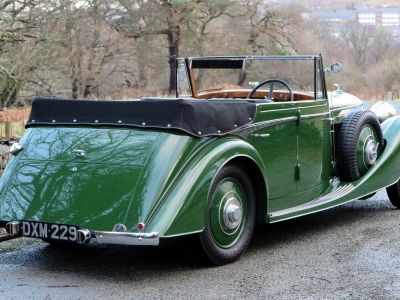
(259, 185)
(184, 210)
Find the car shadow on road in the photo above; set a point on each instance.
(338, 219)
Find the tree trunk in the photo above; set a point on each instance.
(173, 50)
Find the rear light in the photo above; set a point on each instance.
(140, 226)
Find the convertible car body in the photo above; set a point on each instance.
(246, 140)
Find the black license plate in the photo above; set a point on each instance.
(51, 231)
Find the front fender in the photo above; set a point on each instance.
(385, 172)
(183, 210)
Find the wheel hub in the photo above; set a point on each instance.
(232, 213)
(371, 152)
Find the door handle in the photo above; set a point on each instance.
(261, 135)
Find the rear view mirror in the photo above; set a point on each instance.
(336, 67)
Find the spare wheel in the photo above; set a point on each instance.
(360, 141)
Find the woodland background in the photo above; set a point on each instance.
(125, 49)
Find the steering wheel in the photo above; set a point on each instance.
(271, 90)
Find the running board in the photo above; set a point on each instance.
(321, 203)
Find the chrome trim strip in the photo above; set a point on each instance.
(312, 116)
(334, 109)
(127, 238)
(244, 132)
(261, 135)
(262, 105)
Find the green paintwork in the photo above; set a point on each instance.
(162, 177)
(184, 208)
(384, 173)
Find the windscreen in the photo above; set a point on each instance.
(298, 74)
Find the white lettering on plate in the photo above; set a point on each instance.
(34, 229)
(26, 228)
(64, 230)
(54, 235)
(43, 230)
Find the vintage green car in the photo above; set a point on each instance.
(247, 139)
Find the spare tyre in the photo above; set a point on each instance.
(360, 144)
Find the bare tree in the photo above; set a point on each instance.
(272, 30)
(383, 41)
(385, 75)
(14, 28)
(269, 30)
(359, 40)
(137, 19)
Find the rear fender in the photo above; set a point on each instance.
(183, 210)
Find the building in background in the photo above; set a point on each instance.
(379, 16)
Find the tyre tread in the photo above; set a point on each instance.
(348, 139)
(215, 254)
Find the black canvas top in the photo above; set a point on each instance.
(196, 117)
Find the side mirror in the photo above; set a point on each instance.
(336, 67)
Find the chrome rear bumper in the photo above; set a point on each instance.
(84, 236)
(127, 238)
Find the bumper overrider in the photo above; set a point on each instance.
(16, 229)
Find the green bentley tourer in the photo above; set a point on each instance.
(248, 139)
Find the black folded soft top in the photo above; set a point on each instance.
(196, 117)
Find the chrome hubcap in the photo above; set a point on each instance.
(232, 213)
(371, 152)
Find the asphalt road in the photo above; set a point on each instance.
(348, 252)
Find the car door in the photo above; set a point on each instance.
(314, 144)
(276, 141)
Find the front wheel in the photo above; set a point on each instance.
(393, 192)
(231, 214)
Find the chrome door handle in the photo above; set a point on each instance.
(262, 135)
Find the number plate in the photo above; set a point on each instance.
(52, 231)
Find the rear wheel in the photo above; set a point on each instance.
(360, 141)
(393, 192)
(231, 214)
